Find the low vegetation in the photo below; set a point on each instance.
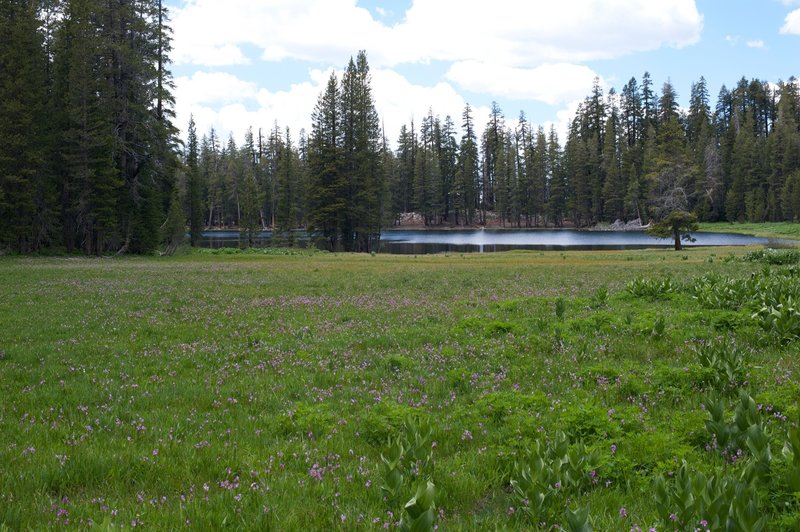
(299, 390)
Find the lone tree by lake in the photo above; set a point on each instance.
(678, 225)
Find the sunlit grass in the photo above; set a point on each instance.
(258, 390)
(777, 230)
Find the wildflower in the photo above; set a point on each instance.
(623, 513)
(613, 449)
(467, 435)
(316, 472)
(155, 452)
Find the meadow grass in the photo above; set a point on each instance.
(260, 390)
(774, 230)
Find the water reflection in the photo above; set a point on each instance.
(491, 240)
(457, 241)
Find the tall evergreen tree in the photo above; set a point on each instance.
(195, 186)
(26, 192)
(556, 181)
(287, 191)
(465, 190)
(362, 158)
(325, 193)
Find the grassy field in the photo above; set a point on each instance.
(281, 391)
(776, 230)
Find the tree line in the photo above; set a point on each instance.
(91, 161)
(630, 155)
(89, 154)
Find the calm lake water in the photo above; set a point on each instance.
(487, 240)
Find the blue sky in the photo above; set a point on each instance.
(256, 63)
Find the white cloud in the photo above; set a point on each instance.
(509, 32)
(216, 87)
(398, 101)
(733, 39)
(231, 105)
(791, 24)
(300, 29)
(516, 33)
(548, 83)
(564, 119)
(757, 43)
(504, 48)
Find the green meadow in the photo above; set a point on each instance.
(291, 390)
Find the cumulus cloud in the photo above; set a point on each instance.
(213, 87)
(791, 24)
(504, 48)
(399, 101)
(548, 83)
(505, 31)
(517, 33)
(231, 105)
(318, 30)
(757, 43)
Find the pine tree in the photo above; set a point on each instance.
(91, 185)
(448, 152)
(403, 183)
(783, 147)
(212, 178)
(578, 168)
(539, 177)
(615, 186)
(427, 177)
(286, 192)
(493, 145)
(671, 173)
(195, 199)
(522, 160)
(174, 228)
(466, 190)
(139, 103)
(325, 192)
(363, 175)
(26, 192)
(556, 181)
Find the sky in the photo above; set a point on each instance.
(257, 63)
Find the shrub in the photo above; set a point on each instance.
(651, 288)
(780, 320)
(773, 256)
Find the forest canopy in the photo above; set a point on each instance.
(91, 160)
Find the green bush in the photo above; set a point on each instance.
(774, 256)
(651, 288)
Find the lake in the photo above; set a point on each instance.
(399, 241)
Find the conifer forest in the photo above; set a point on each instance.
(92, 161)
